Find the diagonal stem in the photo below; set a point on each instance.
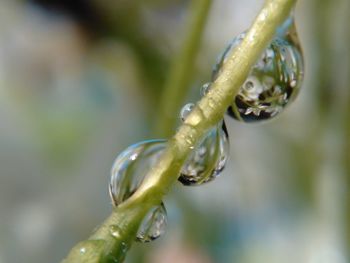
(112, 240)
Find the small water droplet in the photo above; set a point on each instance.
(205, 89)
(153, 225)
(186, 110)
(82, 250)
(115, 231)
(131, 167)
(281, 65)
(125, 247)
(89, 249)
(117, 253)
(208, 159)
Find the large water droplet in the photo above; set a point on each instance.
(153, 225)
(275, 79)
(208, 159)
(131, 167)
(128, 171)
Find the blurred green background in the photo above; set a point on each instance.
(81, 80)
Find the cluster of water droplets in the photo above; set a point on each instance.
(272, 84)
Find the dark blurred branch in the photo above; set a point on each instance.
(83, 12)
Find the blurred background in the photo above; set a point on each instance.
(81, 80)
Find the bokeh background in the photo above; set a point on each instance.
(81, 80)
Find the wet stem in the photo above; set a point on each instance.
(110, 242)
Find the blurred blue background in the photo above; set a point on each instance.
(80, 81)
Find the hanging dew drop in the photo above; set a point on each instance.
(208, 159)
(129, 170)
(153, 225)
(275, 79)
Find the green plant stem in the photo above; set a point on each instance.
(102, 246)
(181, 72)
(323, 35)
(346, 145)
(346, 163)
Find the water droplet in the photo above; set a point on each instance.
(88, 249)
(153, 225)
(128, 171)
(115, 231)
(117, 253)
(125, 247)
(208, 159)
(275, 79)
(131, 167)
(205, 89)
(186, 110)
